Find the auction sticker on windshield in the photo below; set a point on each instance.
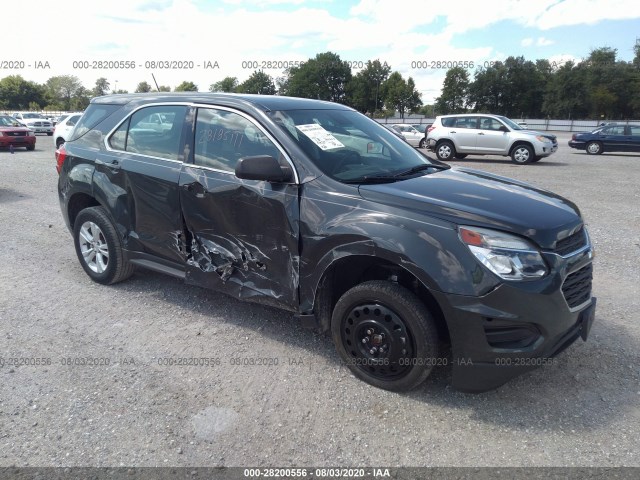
(320, 136)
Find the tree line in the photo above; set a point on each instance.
(601, 86)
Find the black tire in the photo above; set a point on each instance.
(460, 156)
(383, 316)
(522, 154)
(445, 151)
(31, 147)
(94, 233)
(423, 143)
(59, 142)
(594, 148)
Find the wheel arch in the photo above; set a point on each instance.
(517, 143)
(78, 202)
(350, 270)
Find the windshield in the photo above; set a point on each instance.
(346, 145)
(7, 121)
(513, 125)
(32, 115)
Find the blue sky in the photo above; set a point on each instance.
(410, 36)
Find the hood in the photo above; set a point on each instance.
(536, 133)
(471, 197)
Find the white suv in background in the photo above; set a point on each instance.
(64, 127)
(456, 136)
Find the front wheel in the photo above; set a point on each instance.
(99, 247)
(594, 148)
(385, 335)
(522, 154)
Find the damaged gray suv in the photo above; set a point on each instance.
(314, 208)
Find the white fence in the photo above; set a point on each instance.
(542, 124)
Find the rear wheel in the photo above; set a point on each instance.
(522, 154)
(99, 247)
(594, 148)
(385, 335)
(445, 151)
(423, 143)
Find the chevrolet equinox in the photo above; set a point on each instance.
(314, 208)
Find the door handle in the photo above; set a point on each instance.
(480, 133)
(113, 165)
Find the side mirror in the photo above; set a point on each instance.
(374, 148)
(503, 128)
(263, 167)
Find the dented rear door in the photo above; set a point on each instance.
(242, 235)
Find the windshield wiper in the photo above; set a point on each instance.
(420, 168)
(374, 179)
(397, 176)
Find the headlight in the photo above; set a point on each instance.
(542, 139)
(508, 256)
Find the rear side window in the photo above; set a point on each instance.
(635, 130)
(448, 122)
(223, 137)
(93, 115)
(153, 131)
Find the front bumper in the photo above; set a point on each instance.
(516, 327)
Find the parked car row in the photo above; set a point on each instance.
(456, 136)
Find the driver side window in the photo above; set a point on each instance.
(223, 137)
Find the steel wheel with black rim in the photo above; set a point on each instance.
(99, 247)
(385, 335)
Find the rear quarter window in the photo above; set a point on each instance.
(92, 117)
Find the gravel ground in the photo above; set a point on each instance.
(128, 409)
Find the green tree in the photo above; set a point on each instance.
(324, 77)
(62, 89)
(364, 88)
(401, 95)
(143, 87)
(101, 88)
(16, 93)
(486, 92)
(227, 84)
(258, 82)
(186, 87)
(455, 91)
(164, 88)
(565, 94)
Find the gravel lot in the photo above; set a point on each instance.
(308, 410)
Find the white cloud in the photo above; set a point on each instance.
(539, 42)
(233, 31)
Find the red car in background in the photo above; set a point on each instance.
(12, 132)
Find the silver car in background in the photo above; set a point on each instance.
(410, 134)
(456, 136)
